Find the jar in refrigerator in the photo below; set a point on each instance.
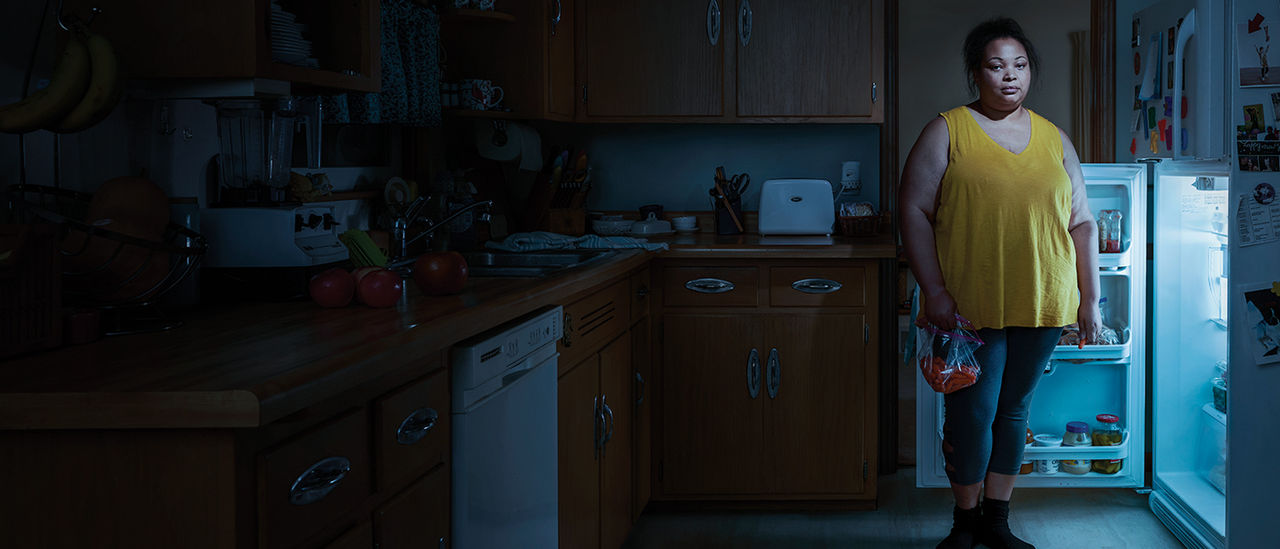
(1027, 465)
(1107, 433)
(1077, 435)
(1047, 466)
(1109, 231)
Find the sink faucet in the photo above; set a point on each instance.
(400, 224)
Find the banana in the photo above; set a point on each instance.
(105, 87)
(66, 88)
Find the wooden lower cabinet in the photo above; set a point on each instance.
(359, 537)
(770, 403)
(596, 417)
(642, 462)
(418, 517)
(712, 431)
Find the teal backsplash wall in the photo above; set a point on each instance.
(672, 164)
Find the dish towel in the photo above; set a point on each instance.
(541, 240)
(410, 47)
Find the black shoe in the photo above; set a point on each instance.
(993, 528)
(964, 529)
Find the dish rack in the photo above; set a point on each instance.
(128, 300)
(861, 225)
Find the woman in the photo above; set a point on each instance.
(997, 228)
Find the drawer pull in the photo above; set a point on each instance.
(317, 481)
(816, 286)
(773, 377)
(415, 425)
(709, 285)
(753, 374)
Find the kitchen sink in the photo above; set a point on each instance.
(529, 264)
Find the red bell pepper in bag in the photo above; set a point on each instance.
(946, 358)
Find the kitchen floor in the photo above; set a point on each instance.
(1049, 518)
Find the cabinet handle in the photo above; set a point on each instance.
(318, 480)
(415, 425)
(442, 543)
(774, 375)
(753, 373)
(596, 422)
(873, 92)
(713, 22)
(568, 329)
(555, 19)
(639, 390)
(642, 292)
(816, 286)
(709, 285)
(608, 429)
(744, 23)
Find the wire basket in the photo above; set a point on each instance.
(859, 225)
(105, 269)
(30, 296)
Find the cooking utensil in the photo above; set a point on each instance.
(727, 204)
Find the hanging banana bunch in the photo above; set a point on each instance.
(84, 89)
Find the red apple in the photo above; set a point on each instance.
(440, 273)
(380, 288)
(332, 288)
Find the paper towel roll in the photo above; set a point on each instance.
(503, 146)
(530, 148)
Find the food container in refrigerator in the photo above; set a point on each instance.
(1213, 447)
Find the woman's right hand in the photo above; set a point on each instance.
(939, 310)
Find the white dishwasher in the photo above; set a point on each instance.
(504, 435)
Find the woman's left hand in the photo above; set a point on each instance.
(1089, 317)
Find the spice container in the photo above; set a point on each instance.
(1047, 466)
(1107, 433)
(1027, 465)
(1077, 435)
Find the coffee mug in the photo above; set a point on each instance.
(480, 94)
(461, 3)
(483, 4)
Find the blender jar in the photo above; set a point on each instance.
(255, 140)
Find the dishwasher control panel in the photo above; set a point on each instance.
(480, 358)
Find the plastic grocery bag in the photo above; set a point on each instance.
(946, 358)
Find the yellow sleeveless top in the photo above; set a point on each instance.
(1001, 227)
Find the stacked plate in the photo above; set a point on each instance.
(287, 43)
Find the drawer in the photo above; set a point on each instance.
(417, 517)
(412, 426)
(818, 286)
(710, 286)
(592, 321)
(302, 487)
(640, 293)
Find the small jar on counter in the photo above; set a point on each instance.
(1077, 435)
(1108, 433)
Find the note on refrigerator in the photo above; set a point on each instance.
(1258, 216)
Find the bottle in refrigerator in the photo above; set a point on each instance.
(1047, 466)
(1108, 433)
(1077, 435)
(1109, 231)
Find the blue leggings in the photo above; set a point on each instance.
(986, 423)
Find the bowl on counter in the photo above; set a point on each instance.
(611, 227)
(651, 226)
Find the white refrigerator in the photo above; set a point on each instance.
(1214, 294)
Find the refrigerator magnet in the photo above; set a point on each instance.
(1137, 63)
(1168, 105)
(1133, 146)
(1151, 118)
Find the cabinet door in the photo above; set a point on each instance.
(652, 58)
(815, 429)
(559, 20)
(615, 479)
(711, 424)
(642, 365)
(579, 466)
(417, 517)
(809, 58)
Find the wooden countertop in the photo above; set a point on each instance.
(248, 364)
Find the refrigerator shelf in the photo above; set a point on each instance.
(1091, 352)
(1115, 261)
(1079, 452)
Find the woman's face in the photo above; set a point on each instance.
(1004, 75)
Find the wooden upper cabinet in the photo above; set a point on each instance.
(810, 58)
(526, 48)
(652, 59)
(230, 40)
